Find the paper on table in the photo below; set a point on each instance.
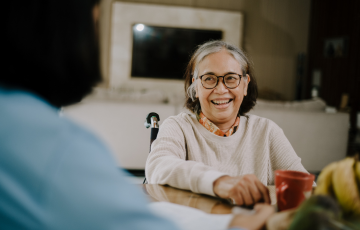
(187, 218)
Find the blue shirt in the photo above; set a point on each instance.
(56, 175)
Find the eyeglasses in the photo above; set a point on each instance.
(210, 81)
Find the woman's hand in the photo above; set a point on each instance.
(255, 221)
(245, 190)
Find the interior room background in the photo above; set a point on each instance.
(286, 42)
(275, 32)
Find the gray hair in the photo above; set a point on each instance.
(213, 47)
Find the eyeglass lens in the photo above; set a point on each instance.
(210, 81)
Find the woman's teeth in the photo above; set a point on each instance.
(221, 102)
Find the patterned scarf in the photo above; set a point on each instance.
(214, 129)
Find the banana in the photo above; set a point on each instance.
(324, 181)
(345, 187)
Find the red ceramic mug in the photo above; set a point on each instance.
(292, 188)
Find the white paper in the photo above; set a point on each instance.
(187, 218)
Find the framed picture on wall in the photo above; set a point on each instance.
(336, 47)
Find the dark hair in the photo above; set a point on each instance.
(193, 103)
(51, 49)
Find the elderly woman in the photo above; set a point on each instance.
(217, 149)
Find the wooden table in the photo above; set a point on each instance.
(205, 203)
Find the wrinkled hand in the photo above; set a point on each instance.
(255, 221)
(245, 190)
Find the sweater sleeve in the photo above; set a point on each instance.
(282, 154)
(167, 163)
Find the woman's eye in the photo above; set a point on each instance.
(231, 78)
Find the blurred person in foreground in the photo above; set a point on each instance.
(217, 148)
(55, 174)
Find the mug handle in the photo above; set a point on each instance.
(283, 187)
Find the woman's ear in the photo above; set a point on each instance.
(247, 81)
(196, 96)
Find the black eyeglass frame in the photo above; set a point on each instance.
(217, 82)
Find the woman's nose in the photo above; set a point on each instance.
(221, 87)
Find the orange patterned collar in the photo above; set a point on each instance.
(214, 129)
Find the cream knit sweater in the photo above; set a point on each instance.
(186, 155)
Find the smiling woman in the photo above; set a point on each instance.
(218, 102)
(216, 149)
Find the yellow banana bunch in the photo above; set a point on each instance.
(341, 180)
(324, 181)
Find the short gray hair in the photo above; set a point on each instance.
(213, 47)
